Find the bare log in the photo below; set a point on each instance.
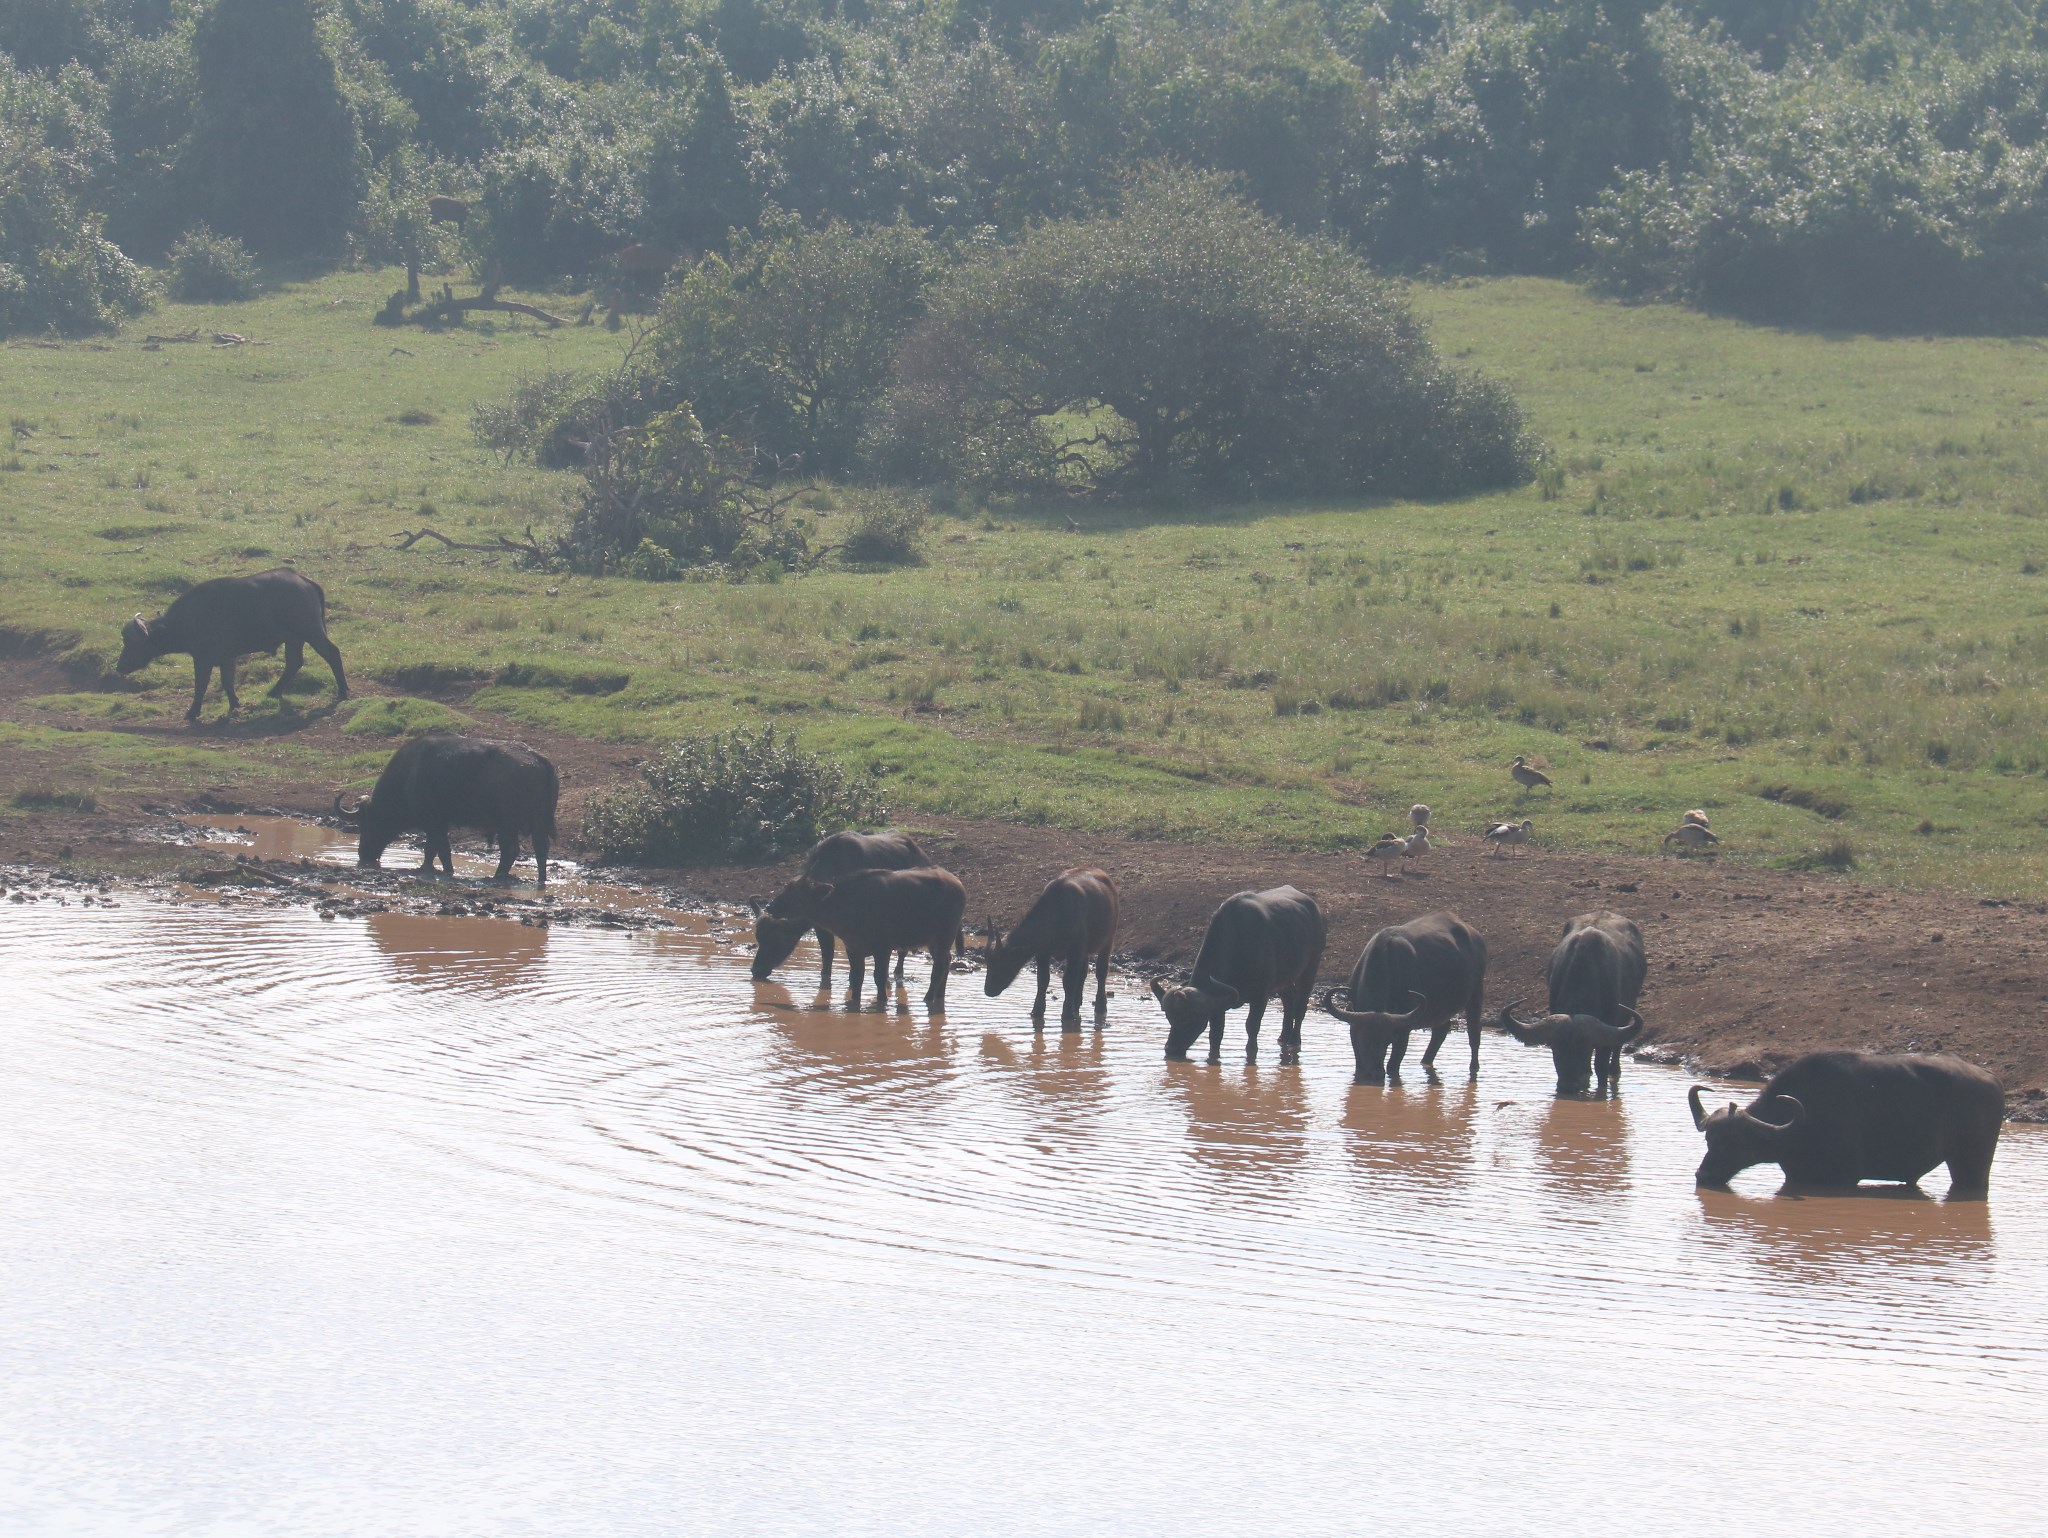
(499, 543)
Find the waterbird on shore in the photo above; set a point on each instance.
(1416, 843)
(1692, 835)
(1525, 776)
(1695, 818)
(1390, 848)
(1502, 834)
(1418, 815)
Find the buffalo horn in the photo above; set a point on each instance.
(347, 813)
(1158, 992)
(1535, 1033)
(1214, 989)
(1599, 1033)
(1699, 1111)
(1375, 1019)
(1798, 1111)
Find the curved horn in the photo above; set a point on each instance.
(1531, 1033)
(1598, 1033)
(1158, 992)
(347, 813)
(1699, 1111)
(1376, 1019)
(1798, 1111)
(756, 904)
(1220, 990)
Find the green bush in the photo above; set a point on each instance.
(211, 269)
(1189, 342)
(58, 273)
(737, 795)
(886, 530)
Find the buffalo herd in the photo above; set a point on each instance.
(1829, 1119)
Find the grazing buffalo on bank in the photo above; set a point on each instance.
(1839, 1118)
(443, 781)
(1074, 919)
(225, 619)
(839, 854)
(1596, 977)
(1412, 977)
(1259, 944)
(875, 912)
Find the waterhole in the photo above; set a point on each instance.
(411, 1225)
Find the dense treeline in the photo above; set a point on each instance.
(1868, 162)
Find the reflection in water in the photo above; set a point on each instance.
(1393, 1129)
(1244, 1121)
(573, 1231)
(282, 838)
(1879, 1232)
(455, 952)
(1582, 1144)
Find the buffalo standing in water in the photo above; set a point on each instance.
(443, 781)
(840, 854)
(876, 912)
(1259, 944)
(228, 618)
(1412, 977)
(1838, 1118)
(1596, 976)
(1074, 919)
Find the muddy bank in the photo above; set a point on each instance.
(1749, 968)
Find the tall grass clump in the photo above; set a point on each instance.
(735, 795)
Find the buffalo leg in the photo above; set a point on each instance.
(1044, 984)
(1101, 983)
(1216, 1036)
(202, 672)
(901, 957)
(294, 659)
(942, 965)
(856, 975)
(227, 685)
(540, 856)
(1252, 1017)
(881, 979)
(508, 851)
(1397, 1048)
(1073, 987)
(331, 655)
(1437, 1036)
(825, 948)
(1969, 1168)
(1293, 1010)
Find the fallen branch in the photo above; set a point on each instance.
(447, 306)
(182, 336)
(530, 546)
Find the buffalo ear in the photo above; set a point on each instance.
(1158, 992)
(757, 904)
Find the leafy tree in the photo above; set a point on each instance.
(1189, 342)
(57, 271)
(796, 329)
(558, 207)
(276, 154)
(698, 184)
(150, 95)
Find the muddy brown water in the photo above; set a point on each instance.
(415, 1225)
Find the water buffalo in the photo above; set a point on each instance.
(443, 781)
(839, 854)
(1837, 1118)
(226, 618)
(447, 210)
(1596, 976)
(1259, 944)
(878, 911)
(1412, 977)
(1073, 919)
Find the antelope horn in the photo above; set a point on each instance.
(1699, 1111)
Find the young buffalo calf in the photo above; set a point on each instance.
(1074, 919)
(874, 912)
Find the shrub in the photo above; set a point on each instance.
(796, 328)
(737, 795)
(57, 272)
(1189, 341)
(886, 530)
(211, 269)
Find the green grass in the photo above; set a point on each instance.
(1767, 572)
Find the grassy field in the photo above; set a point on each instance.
(1799, 580)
